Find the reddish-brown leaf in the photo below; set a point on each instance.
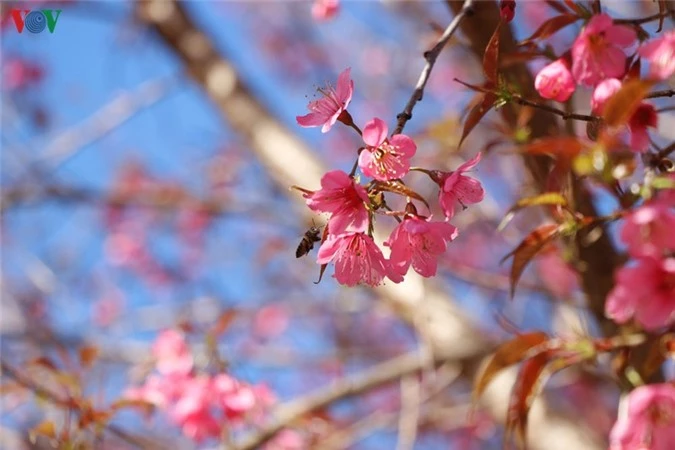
(398, 188)
(562, 146)
(476, 114)
(224, 321)
(527, 249)
(528, 385)
(88, 355)
(634, 70)
(551, 26)
(621, 106)
(507, 354)
(491, 56)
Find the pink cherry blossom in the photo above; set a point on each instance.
(649, 420)
(326, 110)
(507, 10)
(644, 291)
(325, 9)
(357, 259)
(555, 81)
(344, 198)
(597, 52)
(385, 159)
(648, 230)
(192, 411)
(419, 242)
(457, 187)
(172, 353)
(644, 116)
(556, 274)
(660, 53)
(287, 440)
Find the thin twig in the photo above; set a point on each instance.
(565, 115)
(431, 56)
(642, 20)
(664, 93)
(378, 375)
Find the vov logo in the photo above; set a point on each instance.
(36, 20)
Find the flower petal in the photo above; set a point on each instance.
(375, 132)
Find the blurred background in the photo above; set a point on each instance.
(147, 153)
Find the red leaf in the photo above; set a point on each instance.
(507, 354)
(528, 385)
(621, 106)
(527, 250)
(566, 147)
(551, 26)
(491, 56)
(224, 321)
(476, 114)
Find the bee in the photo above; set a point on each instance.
(307, 243)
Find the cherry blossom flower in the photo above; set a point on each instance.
(646, 292)
(287, 440)
(597, 52)
(357, 259)
(325, 9)
(648, 230)
(649, 420)
(326, 110)
(172, 353)
(344, 198)
(457, 187)
(660, 53)
(644, 116)
(419, 242)
(385, 159)
(555, 81)
(192, 412)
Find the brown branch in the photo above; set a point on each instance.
(383, 373)
(431, 56)
(664, 93)
(643, 19)
(545, 107)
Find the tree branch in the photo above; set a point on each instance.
(431, 56)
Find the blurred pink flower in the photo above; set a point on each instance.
(597, 52)
(326, 110)
(644, 116)
(649, 422)
(344, 198)
(649, 230)
(507, 10)
(660, 52)
(419, 242)
(646, 292)
(555, 81)
(20, 74)
(357, 259)
(385, 159)
(556, 274)
(192, 411)
(457, 187)
(270, 321)
(172, 353)
(325, 9)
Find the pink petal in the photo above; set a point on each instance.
(447, 201)
(639, 139)
(405, 145)
(367, 163)
(621, 35)
(375, 132)
(328, 249)
(470, 164)
(345, 87)
(310, 120)
(612, 63)
(469, 190)
(598, 24)
(336, 179)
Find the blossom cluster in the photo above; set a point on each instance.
(645, 288)
(417, 241)
(202, 405)
(597, 59)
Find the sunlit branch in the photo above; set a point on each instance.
(664, 93)
(431, 56)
